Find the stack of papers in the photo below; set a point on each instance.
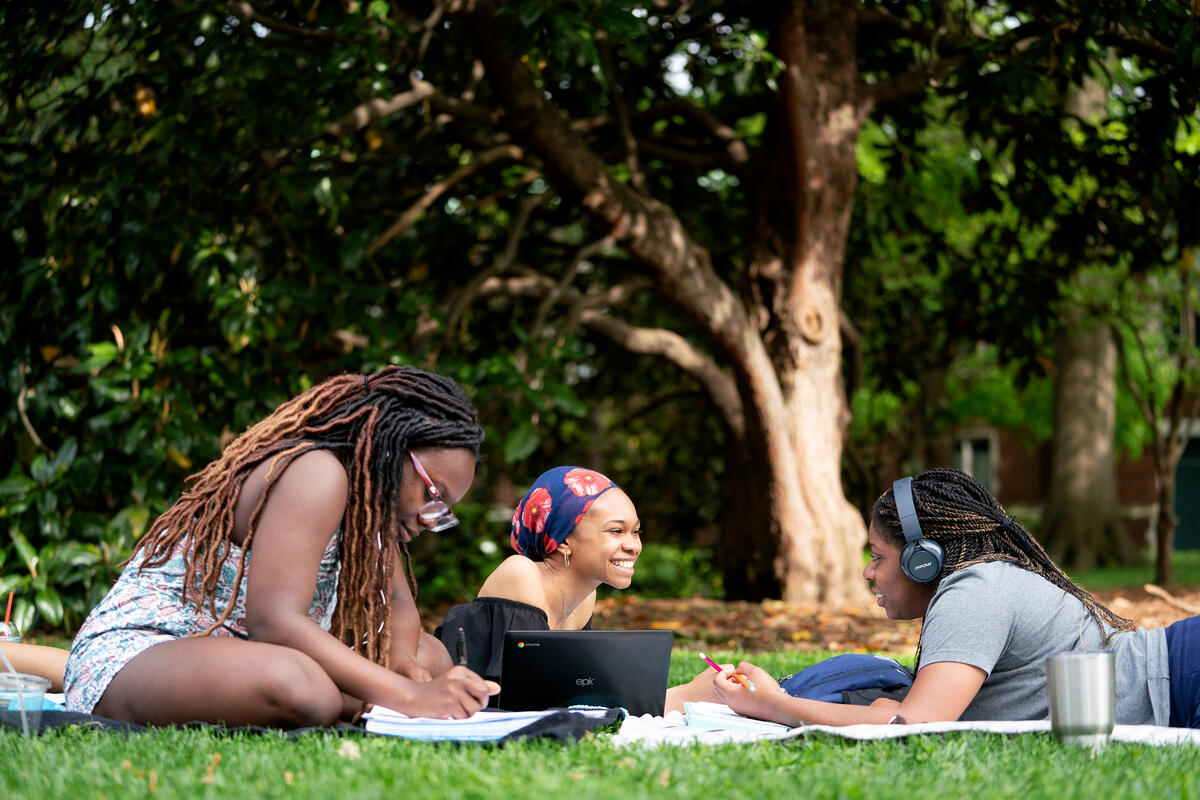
(720, 717)
(483, 726)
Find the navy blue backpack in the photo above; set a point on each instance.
(856, 678)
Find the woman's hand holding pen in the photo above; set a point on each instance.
(759, 702)
(455, 694)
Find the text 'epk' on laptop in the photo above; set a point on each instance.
(556, 669)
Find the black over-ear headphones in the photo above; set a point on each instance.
(921, 558)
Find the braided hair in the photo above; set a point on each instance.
(960, 514)
(368, 422)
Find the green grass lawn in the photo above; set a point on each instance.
(179, 763)
(173, 763)
(1185, 564)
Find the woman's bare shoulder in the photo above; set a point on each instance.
(517, 578)
(312, 488)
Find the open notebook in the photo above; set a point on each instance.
(483, 726)
(614, 669)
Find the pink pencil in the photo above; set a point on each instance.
(742, 679)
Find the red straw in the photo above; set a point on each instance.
(8, 611)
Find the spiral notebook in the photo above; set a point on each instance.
(612, 669)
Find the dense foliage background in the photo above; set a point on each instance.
(209, 207)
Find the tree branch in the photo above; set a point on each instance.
(429, 26)
(527, 178)
(645, 341)
(414, 212)
(462, 109)
(463, 299)
(23, 413)
(564, 283)
(710, 122)
(1180, 422)
(358, 118)
(650, 230)
(247, 13)
(881, 18)
(670, 345)
(1140, 47)
(1144, 404)
(377, 108)
(689, 158)
(620, 113)
(906, 84)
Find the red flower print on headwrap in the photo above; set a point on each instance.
(584, 482)
(516, 526)
(537, 508)
(552, 508)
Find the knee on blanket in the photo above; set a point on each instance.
(300, 696)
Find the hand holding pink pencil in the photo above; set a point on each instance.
(742, 679)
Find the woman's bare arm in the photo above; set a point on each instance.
(305, 506)
(941, 692)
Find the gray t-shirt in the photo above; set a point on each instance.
(1006, 620)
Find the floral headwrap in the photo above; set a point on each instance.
(556, 502)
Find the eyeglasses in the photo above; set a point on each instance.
(436, 514)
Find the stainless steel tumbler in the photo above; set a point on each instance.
(1081, 689)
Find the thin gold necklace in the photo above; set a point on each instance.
(561, 596)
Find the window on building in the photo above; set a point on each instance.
(978, 456)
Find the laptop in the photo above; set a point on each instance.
(556, 669)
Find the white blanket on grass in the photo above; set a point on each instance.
(673, 729)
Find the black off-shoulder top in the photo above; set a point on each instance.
(484, 622)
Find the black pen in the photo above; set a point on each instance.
(462, 647)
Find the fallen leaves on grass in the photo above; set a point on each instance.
(210, 776)
(775, 625)
(151, 776)
(699, 622)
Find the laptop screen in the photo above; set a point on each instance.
(556, 669)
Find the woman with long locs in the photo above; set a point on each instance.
(277, 590)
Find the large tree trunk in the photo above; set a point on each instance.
(1081, 525)
(797, 271)
(785, 350)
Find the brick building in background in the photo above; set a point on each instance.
(1018, 474)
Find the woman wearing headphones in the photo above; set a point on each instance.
(994, 607)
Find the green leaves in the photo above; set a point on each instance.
(213, 188)
(521, 441)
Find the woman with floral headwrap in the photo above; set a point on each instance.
(574, 530)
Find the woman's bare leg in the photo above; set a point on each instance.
(222, 681)
(432, 654)
(37, 659)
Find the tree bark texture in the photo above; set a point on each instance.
(1081, 525)
(1164, 529)
(782, 345)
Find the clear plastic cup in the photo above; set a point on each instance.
(8, 633)
(22, 695)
